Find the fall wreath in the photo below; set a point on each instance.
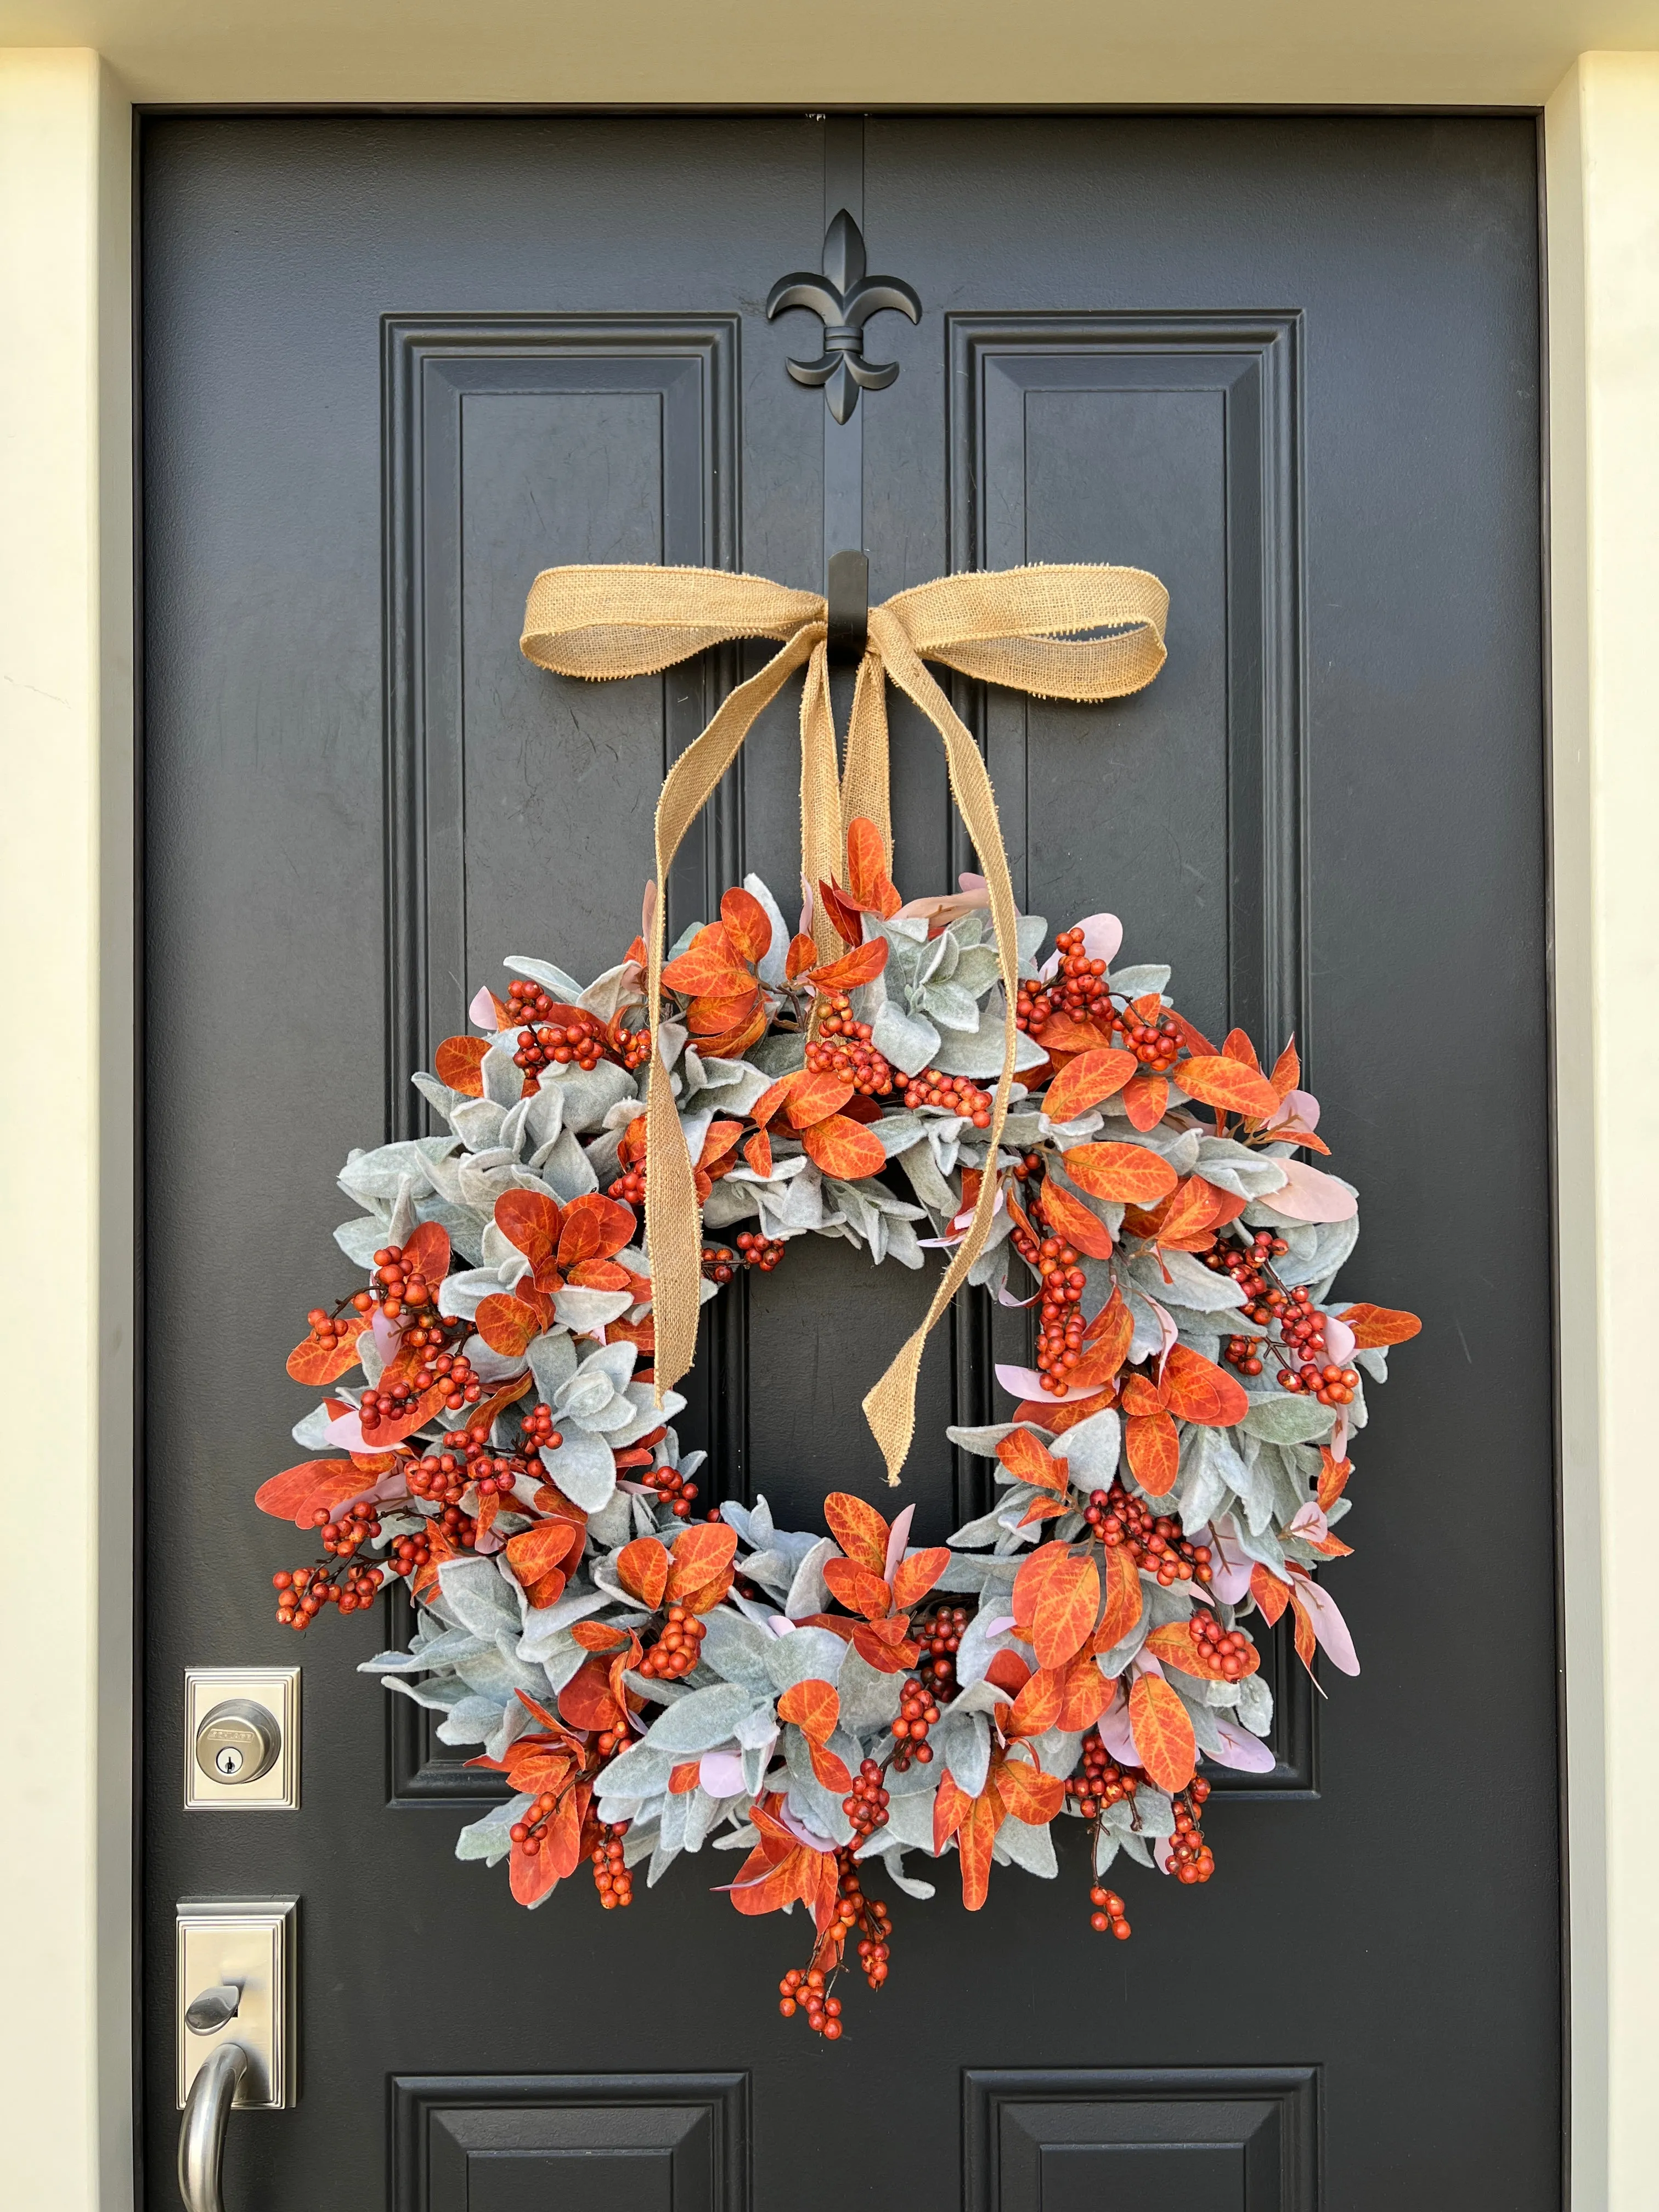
(654, 1675)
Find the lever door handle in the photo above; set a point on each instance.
(202, 2133)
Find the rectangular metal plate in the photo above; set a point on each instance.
(252, 1943)
(275, 1688)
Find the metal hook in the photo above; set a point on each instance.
(848, 594)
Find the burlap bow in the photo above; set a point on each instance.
(1037, 630)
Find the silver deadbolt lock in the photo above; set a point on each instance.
(237, 1741)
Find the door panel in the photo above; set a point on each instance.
(393, 367)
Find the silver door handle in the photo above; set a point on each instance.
(202, 2135)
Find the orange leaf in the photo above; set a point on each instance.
(708, 968)
(1306, 1642)
(530, 1221)
(1133, 1173)
(1215, 1080)
(867, 881)
(1069, 1034)
(773, 1097)
(315, 1364)
(683, 1778)
(1141, 1396)
(1287, 1070)
(1196, 1390)
(598, 1635)
(1027, 1794)
(846, 919)
(1070, 1218)
(858, 1529)
(813, 1706)
(1333, 1478)
(586, 1701)
(702, 1553)
(552, 1853)
(758, 1153)
(642, 1570)
(862, 965)
(748, 926)
(710, 1016)
(601, 1275)
(1145, 1101)
(733, 1044)
(547, 1590)
(1008, 1671)
(294, 1494)
(1038, 1705)
(426, 1254)
(829, 1767)
(1059, 1596)
(950, 1808)
(459, 1062)
(537, 1552)
(1237, 1046)
(800, 956)
(1270, 1592)
(1154, 1452)
(884, 1644)
(815, 1097)
(721, 1139)
(973, 1840)
(1085, 1694)
(858, 1590)
(1084, 1081)
(1123, 1598)
(914, 1577)
(1377, 1325)
(1029, 1460)
(595, 1228)
(510, 1324)
(841, 1148)
(1188, 1216)
(1163, 1732)
(1111, 1331)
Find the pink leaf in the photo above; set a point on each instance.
(1114, 1732)
(1310, 1195)
(898, 1537)
(1298, 1106)
(1171, 1334)
(1338, 1340)
(1310, 1522)
(1028, 1383)
(720, 1773)
(482, 1011)
(1231, 1565)
(1240, 1748)
(1328, 1625)
(1162, 1853)
(1103, 936)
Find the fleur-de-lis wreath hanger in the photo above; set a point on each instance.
(846, 298)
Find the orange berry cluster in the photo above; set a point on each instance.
(809, 1992)
(1059, 1314)
(354, 1529)
(327, 1329)
(1110, 1912)
(1102, 1782)
(1078, 988)
(455, 1368)
(1227, 1650)
(866, 1809)
(301, 1596)
(939, 1633)
(392, 1287)
(842, 1046)
(613, 1880)
(917, 1713)
(442, 1476)
(955, 1093)
(1190, 1857)
(1151, 1039)
(721, 1263)
(675, 1491)
(675, 1651)
(1156, 1543)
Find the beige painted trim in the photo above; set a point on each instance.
(1602, 182)
(65, 925)
(66, 1127)
(862, 53)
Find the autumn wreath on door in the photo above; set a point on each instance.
(656, 1675)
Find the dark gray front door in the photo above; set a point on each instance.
(392, 368)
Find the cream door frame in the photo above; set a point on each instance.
(66, 925)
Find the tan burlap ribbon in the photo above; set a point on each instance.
(1037, 630)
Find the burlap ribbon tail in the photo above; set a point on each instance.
(1080, 633)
